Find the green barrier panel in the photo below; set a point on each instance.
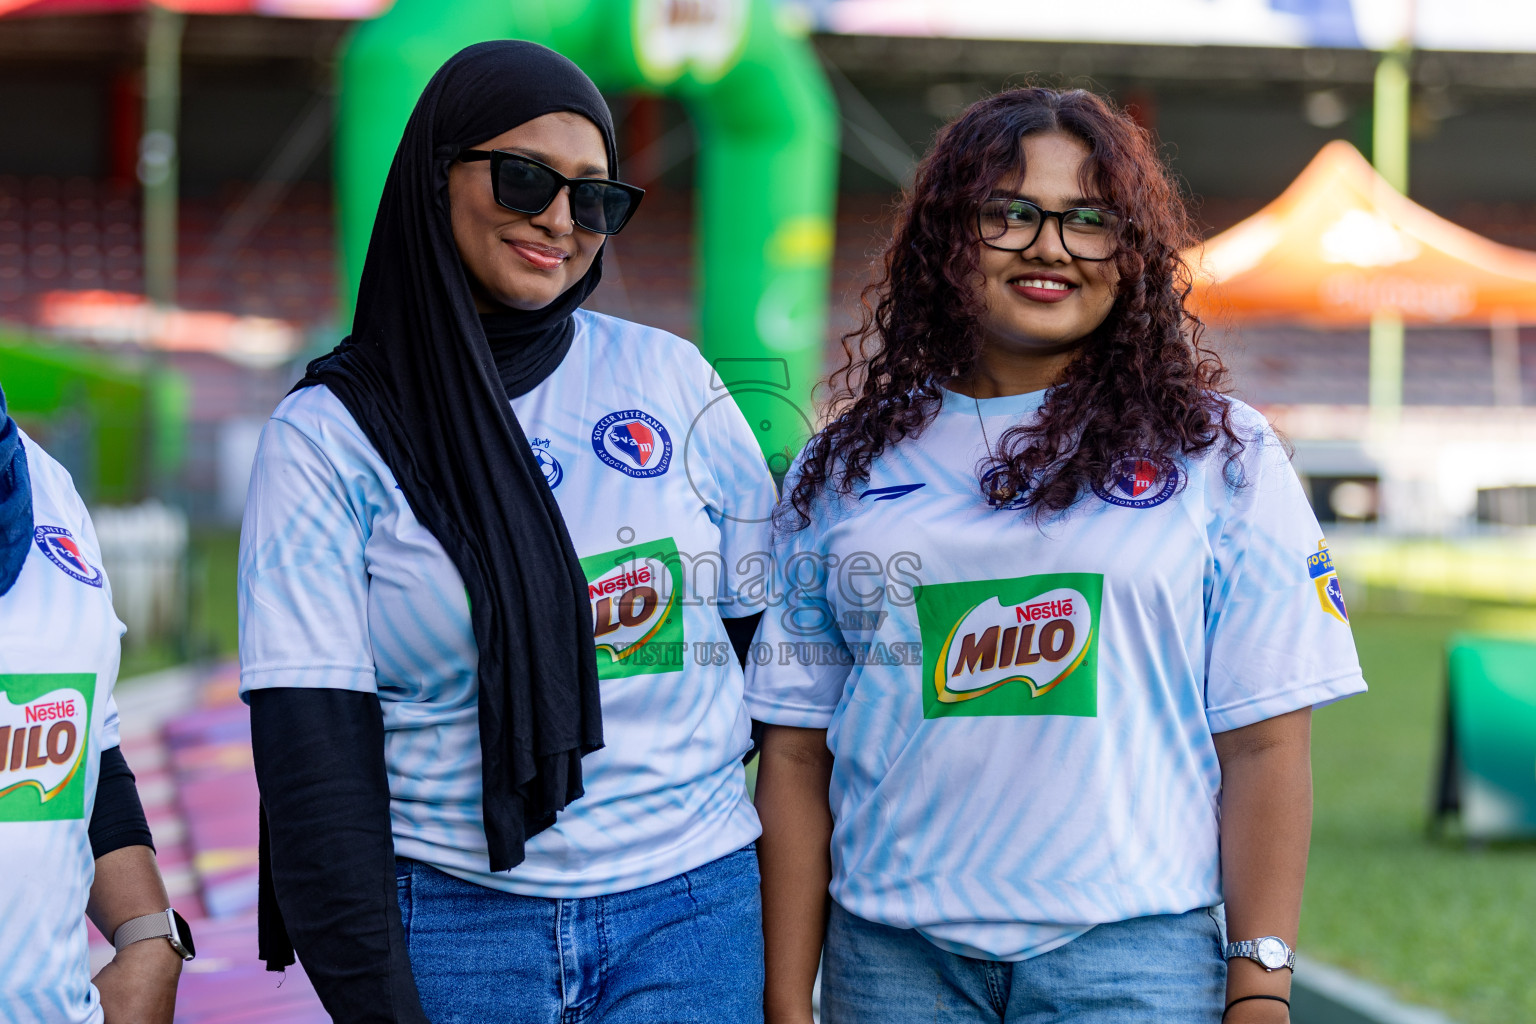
(768, 141)
(1488, 765)
(95, 417)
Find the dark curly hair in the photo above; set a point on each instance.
(1142, 383)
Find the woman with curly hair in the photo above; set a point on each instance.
(1057, 614)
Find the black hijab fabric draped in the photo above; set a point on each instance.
(15, 501)
(424, 383)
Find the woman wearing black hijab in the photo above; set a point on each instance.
(473, 636)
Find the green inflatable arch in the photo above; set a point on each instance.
(767, 130)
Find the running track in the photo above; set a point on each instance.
(187, 737)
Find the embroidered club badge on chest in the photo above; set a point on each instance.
(63, 551)
(633, 442)
(1136, 481)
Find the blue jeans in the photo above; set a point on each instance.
(686, 949)
(1149, 970)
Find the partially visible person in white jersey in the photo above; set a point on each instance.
(1058, 614)
(493, 533)
(73, 838)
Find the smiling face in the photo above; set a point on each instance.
(1041, 303)
(525, 260)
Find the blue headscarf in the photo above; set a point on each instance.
(15, 500)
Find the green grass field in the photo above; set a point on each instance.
(1439, 922)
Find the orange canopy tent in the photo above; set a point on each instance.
(1340, 246)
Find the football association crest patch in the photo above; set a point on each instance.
(1330, 593)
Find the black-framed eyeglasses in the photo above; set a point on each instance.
(525, 185)
(1087, 233)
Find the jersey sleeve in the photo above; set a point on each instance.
(1277, 631)
(111, 727)
(86, 530)
(303, 578)
(732, 478)
(798, 666)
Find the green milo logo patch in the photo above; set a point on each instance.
(1025, 646)
(637, 617)
(45, 727)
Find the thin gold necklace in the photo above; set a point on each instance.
(998, 495)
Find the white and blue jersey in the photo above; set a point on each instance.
(59, 651)
(667, 499)
(1021, 713)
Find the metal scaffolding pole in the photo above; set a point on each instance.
(158, 161)
(1389, 153)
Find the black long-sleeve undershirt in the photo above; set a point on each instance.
(329, 852)
(117, 819)
(741, 631)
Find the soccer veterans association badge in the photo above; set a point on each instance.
(633, 442)
(63, 551)
(1136, 481)
(1024, 646)
(1330, 593)
(44, 728)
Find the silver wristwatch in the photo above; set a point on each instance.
(167, 924)
(1269, 952)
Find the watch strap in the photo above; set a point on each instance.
(165, 924)
(151, 926)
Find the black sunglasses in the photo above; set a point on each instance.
(525, 185)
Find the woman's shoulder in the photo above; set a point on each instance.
(1256, 439)
(50, 481)
(1245, 421)
(1249, 463)
(319, 417)
(308, 407)
(623, 339)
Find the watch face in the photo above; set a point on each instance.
(181, 938)
(1271, 952)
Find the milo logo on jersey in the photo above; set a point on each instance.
(637, 621)
(1025, 646)
(45, 723)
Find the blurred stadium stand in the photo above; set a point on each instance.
(78, 233)
(1297, 366)
(256, 229)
